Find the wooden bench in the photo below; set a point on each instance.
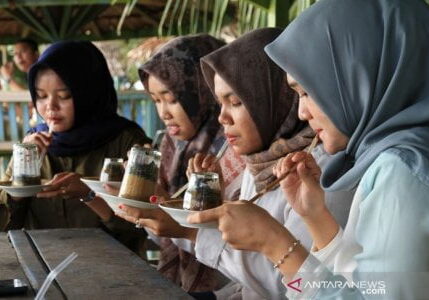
(15, 117)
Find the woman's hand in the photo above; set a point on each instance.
(245, 226)
(111, 189)
(157, 221)
(301, 187)
(42, 139)
(65, 184)
(305, 195)
(205, 163)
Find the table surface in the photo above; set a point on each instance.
(104, 269)
(9, 265)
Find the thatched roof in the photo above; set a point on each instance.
(50, 20)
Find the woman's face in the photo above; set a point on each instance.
(170, 111)
(333, 140)
(239, 128)
(54, 101)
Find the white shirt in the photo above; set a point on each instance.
(251, 269)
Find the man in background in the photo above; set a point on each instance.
(25, 54)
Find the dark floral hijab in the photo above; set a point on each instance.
(177, 66)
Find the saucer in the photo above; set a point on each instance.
(21, 191)
(175, 209)
(114, 201)
(97, 186)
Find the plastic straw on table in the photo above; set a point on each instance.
(53, 274)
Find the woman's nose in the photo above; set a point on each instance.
(165, 113)
(303, 113)
(52, 103)
(224, 117)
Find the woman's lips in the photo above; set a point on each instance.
(54, 120)
(173, 129)
(231, 138)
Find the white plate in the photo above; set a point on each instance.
(97, 186)
(175, 210)
(114, 202)
(21, 191)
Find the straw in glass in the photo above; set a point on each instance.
(43, 152)
(218, 156)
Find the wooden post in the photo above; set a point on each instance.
(3, 55)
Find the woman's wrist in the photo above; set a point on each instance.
(285, 252)
(322, 227)
(190, 234)
(276, 241)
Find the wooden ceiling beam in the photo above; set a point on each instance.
(38, 3)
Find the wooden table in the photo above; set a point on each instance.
(104, 269)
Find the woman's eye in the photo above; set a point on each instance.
(40, 96)
(235, 101)
(303, 94)
(65, 97)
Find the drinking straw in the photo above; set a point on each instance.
(53, 274)
(218, 156)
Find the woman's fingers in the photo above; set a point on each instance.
(202, 163)
(209, 215)
(190, 168)
(110, 189)
(306, 175)
(207, 162)
(197, 162)
(138, 213)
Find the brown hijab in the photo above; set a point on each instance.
(262, 87)
(177, 66)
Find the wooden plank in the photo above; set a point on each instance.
(104, 269)
(6, 146)
(10, 268)
(33, 267)
(23, 96)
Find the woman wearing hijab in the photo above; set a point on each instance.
(262, 133)
(185, 104)
(73, 92)
(355, 91)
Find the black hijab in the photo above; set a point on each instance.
(83, 69)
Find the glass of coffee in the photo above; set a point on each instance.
(113, 170)
(203, 191)
(26, 167)
(141, 174)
